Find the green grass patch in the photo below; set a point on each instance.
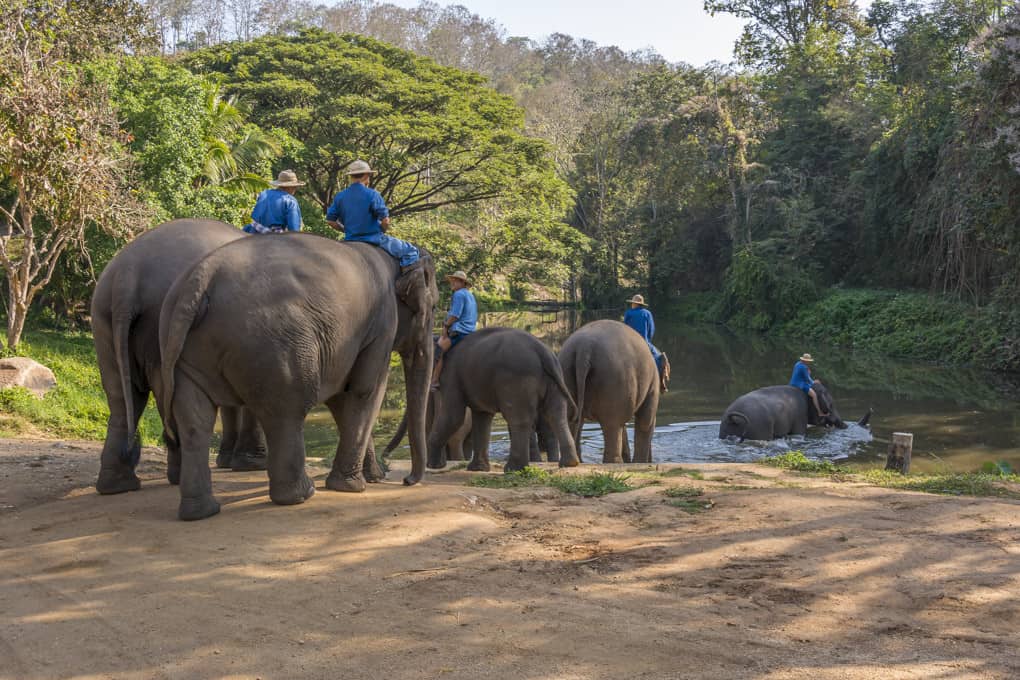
(683, 492)
(797, 461)
(587, 485)
(76, 407)
(947, 483)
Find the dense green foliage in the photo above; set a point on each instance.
(76, 407)
(592, 484)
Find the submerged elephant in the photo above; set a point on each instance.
(773, 412)
(613, 378)
(125, 329)
(508, 371)
(280, 323)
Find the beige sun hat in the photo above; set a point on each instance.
(360, 167)
(638, 300)
(459, 274)
(286, 178)
(806, 358)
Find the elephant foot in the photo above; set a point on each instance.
(224, 458)
(114, 480)
(292, 494)
(245, 461)
(475, 466)
(412, 479)
(513, 466)
(372, 472)
(568, 462)
(350, 483)
(197, 508)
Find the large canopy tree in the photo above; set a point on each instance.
(436, 135)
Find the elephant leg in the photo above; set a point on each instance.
(173, 461)
(354, 413)
(289, 484)
(250, 451)
(455, 445)
(481, 431)
(370, 468)
(230, 421)
(194, 416)
(450, 413)
(120, 456)
(625, 445)
(534, 454)
(612, 443)
(555, 416)
(547, 442)
(644, 428)
(522, 433)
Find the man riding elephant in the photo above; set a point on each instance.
(801, 379)
(460, 322)
(360, 212)
(276, 210)
(640, 319)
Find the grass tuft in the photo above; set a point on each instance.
(588, 485)
(948, 483)
(797, 461)
(683, 492)
(680, 472)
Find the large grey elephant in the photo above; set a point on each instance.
(777, 411)
(508, 371)
(613, 378)
(125, 328)
(280, 323)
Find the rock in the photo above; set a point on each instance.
(23, 372)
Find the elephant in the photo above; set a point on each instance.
(458, 446)
(522, 380)
(613, 377)
(125, 329)
(773, 412)
(280, 323)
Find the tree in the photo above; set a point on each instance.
(436, 135)
(61, 170)
(234, 150)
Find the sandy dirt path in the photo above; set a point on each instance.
(784, 577)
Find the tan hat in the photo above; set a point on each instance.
(806, 358)
(637, 300)
(458, 275)
(286, 178)
(360, 167)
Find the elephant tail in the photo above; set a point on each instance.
(121, 333)
(188, 308)
(582, 364)
(398, 437)
(551, 367)
(740, 420)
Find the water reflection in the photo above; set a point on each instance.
(960, 417)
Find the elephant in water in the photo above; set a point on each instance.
(280, 323)
(612, 376)
(508, 371)
(125, 328)
(773, 412)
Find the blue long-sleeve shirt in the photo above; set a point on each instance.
(277, 208)
(361, 211)
(640, 319)
(464, 307)
(801, 376)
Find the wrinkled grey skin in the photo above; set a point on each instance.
(280, 323)
(773, 412)
(125, 328)
(613, 378)
(508, 371)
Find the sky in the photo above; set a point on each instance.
(679, 30)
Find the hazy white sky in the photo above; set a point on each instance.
(679, 30)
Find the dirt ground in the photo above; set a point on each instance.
(783, 577)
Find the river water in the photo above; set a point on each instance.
(960, 417)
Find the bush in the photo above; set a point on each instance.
(760, 292)
(796, 460)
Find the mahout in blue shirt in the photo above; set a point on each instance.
(464, 308)
(801, 377)
(277, 210)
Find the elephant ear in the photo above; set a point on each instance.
(416, 287)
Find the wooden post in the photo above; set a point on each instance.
(899, 452)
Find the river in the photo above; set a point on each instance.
(960, 417)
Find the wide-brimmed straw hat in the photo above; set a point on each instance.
(286, 178)
(806, 358)
(360, 167)
(638, 300)
(459, 274)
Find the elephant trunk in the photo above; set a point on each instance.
(417, 376)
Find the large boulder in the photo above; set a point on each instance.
(23, 372)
